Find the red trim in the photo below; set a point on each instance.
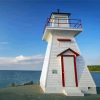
(69, 50)
(64, 40)
(75, 70)
(63, 79)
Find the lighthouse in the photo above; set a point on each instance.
(64, 69)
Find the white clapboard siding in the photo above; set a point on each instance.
(54, 79)
(84, 76)
(46, 63)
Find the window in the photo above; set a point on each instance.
(54, 71)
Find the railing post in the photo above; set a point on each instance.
(58, 22)
(80, 23)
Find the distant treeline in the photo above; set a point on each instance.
(94, 67)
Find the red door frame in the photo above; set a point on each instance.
(75, 70)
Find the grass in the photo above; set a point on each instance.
(34, 92)
(94, 67)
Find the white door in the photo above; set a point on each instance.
(69, 73)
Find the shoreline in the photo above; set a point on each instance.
(94, 71)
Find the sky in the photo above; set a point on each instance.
(21, 29)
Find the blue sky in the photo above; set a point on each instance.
(21, 29)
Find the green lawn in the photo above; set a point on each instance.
(94, 67)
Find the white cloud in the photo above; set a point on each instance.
(22, 58)
(19, 62)
(32, 62)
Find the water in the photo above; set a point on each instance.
(7, 77)
(96, 78)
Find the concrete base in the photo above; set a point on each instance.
(53, 90)
(88, 90)
(72, 91)
(92, 90)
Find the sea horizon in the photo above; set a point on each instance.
(7, 77)
(17, 70)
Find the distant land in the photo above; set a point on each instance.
(94, 67)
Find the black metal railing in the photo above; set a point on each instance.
(63, 22)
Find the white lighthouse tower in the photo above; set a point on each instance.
(64, 69)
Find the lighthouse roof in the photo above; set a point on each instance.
(62, 13)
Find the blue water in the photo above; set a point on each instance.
(7, 77)
(96, 78)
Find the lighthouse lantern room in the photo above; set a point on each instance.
(64, 69)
